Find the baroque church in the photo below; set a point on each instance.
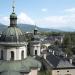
(13, 51)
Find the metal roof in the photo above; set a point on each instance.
(18, 66)
(12, 34)
(58, 62)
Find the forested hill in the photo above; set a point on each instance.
(29, 28)
(2, 27)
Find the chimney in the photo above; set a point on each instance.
(53, 52)
(66, 55)
(70, 60)
(45, 55)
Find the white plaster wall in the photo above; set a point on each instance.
(24, 48)
(17, 52)
(33, 72)
(35, 47)
(63, 72)
(9, 53)
(4, 52)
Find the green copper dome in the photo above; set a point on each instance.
(12, 34)
(16, 67)
(13, 15)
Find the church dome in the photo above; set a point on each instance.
(12, 34)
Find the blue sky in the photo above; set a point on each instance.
(57, 14)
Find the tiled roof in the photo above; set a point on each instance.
(58, 62)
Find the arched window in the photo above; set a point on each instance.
(22, 55)
(1, 54)
(12, 55)
(35, 52)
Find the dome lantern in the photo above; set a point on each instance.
(35, 30)
(13, 17)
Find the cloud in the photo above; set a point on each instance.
(70, 11)
(44, 9)
(22, 18)
(4, 20)
(57, 22)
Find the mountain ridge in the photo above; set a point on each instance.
(29, 28)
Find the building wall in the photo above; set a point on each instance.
(17, 52)
(33, 72)
(63, 72)
(4, 51)
(34, 47)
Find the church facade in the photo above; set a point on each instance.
(13, 52)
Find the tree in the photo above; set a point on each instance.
(67, 41)
(68, 51)
(67, 44)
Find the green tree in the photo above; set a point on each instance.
(68, 51)
(67, 41)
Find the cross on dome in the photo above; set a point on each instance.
(13, 5)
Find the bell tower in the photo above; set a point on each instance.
(35, 30)
(13, 17)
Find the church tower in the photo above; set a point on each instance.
(35, 30)
(35, 45)
(13, 42)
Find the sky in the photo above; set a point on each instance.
(56, 14)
